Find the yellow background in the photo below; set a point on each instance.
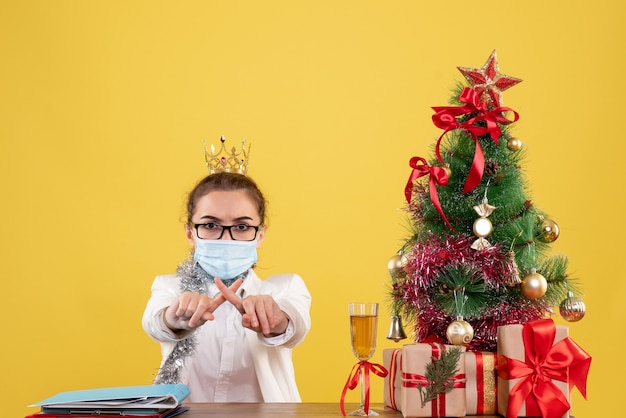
(104, 106)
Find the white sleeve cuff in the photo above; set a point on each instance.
(282, 338)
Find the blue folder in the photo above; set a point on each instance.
(136, 399)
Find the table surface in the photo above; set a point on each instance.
(272, 410)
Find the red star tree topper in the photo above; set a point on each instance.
(488, 81)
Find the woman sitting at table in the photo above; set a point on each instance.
(224, 332)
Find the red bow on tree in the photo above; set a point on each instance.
(446, 119)
(438, 176)
(544, 362)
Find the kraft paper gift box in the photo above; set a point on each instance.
(392, 361)
(480, 382)
(415, 357)
(538, 364)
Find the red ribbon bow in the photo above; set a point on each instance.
(438, 176)
(543, 363)
(355, 377)
(446, 118)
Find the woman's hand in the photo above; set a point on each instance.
(192, 309)
(260, 313)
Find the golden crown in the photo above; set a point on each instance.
(227, 161)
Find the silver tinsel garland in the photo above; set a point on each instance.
(193, 279)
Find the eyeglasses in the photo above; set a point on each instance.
(239, 232)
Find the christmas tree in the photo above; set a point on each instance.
(478, 254)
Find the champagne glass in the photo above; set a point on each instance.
(363, 321)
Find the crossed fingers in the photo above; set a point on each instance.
(260, 313)
(192, 309)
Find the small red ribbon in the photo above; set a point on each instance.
(480, 383)
(544, 362)
(393, 371)
(445, 117)
(438, 176)
(355, 377)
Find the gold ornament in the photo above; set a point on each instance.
(572, 309)
(482, 226)
(395, 263)
(549, 231)
(513, 279)
(448, 172)
(534, 285)
(460, 332)
(514, 144)
(396, 331)
(405, 260)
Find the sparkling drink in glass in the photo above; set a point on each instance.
(363, 323)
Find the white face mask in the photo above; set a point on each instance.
(225, 259)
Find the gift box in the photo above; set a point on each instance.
(417, 385)
(538, 365)
(392, 361)
(480, 382)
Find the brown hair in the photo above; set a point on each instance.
(226, 182)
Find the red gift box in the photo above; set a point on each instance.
(480, 383)
(538, 365)
(415, 358)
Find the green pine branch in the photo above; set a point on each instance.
(439, 374)
(467, 283)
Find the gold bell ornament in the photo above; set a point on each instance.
(396, 331)
(396, 265)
